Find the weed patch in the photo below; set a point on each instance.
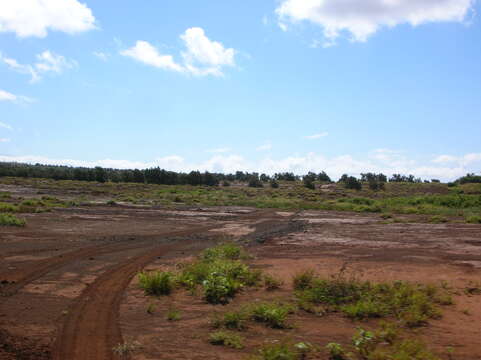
(156, 283)
(11, 220)
(228, 339)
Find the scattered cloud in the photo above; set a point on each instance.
(4, 140)
(316, 136)
(464, 160)
(6, 96)
(5, 126)
(219, 150)
(300, 164)
(47, 62)
(148, 54)
(201, 56)
(361, 19)
(35, 18)
(101, 55)
(265, 147)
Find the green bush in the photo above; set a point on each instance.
(437, 219)
(156, 282)
(473, 219)
(336, 351)
(303, 280)
(7, 207)
(413, 304)
(226, 339)
(272, 314)
(220, 273)
(277, 352)
(219, 288)
(271, 282)
(11, 220)
(235, 320)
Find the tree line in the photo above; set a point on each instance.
(157, 175)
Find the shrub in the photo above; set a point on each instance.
(436, 219)
(11, 220)
(226, 339)
(274, 184)
(6, 207)
(474, 219)
(413, 304)
(218, 288)
(229, 251)
(274, 315)
(156, 282)
(336, 351)
(277, 352)
(303, 280)
(220, 273)
(235, 320)
(271, 283)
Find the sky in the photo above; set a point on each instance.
(342, 86)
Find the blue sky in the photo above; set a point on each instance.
(282, 85)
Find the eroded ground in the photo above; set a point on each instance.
(70, 292)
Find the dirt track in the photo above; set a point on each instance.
(89, 328)
(65, 276)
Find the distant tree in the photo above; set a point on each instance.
(100, 175)
(322, 176)
(265, 178)
(352, 183)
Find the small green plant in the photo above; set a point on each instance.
(225, 338)
(271, 282)
(336, 351)
(272, 314)
(11, 220)
(235, 320)
(151, 309)
(277, 352)
(304, 279)
(173, 315)
(156, 283)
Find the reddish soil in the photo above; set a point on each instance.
(69, 290)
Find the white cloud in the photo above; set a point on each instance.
(4, 140)
(362, 19)
(204, 56)
(445, 159)
(201, 57)
(316, 136)
(147, 54)
(101, 55)
(464, 160)
(6, 96)
(47, 62)
(265, 147)
(36, 17)
(5, 126)
(300, 164)
(219, 150)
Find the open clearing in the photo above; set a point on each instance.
(70, 291)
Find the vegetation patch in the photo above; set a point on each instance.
(156, 283)
(226, 338)
(11, 220)
(413, 304)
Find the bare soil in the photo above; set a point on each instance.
(69, 291)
